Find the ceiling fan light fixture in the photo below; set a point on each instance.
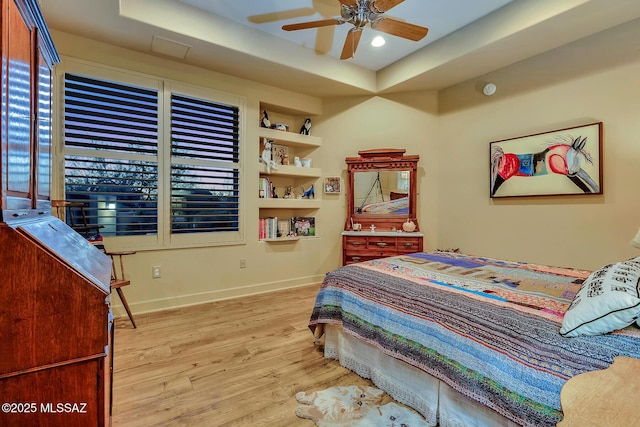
(378, 41)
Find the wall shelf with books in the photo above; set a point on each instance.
(292, 172)
(281, 239)
(288, 239)
(278, 229)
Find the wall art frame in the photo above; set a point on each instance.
(561, 162)
(332, 185)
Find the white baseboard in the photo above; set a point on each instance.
(205, 297)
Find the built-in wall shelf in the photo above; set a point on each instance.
(289, 239)
(287, 147)
(291, 139)
(291, 171)
(280, 203)
(281, 239)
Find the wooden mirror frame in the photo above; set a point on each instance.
(382, 159)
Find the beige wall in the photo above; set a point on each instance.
(578, 231)
(406, 121)
(450, 131)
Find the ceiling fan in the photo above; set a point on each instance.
(359, 13)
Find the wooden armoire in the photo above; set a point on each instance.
(55, 321)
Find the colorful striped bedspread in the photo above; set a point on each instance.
(486, 327)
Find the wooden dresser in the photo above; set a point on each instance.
(358, 246)
(54, 286)
(381, 194)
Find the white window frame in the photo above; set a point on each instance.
(164, 239)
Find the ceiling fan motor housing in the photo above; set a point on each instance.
(346, 12)
(363, 13)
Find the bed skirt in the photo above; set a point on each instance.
(437, 402)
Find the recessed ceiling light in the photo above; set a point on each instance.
(378, 41)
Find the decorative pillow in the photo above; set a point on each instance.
(607, 301)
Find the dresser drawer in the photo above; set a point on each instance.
(409, 245)
(355, 243)
(381, 244)
(365, 248)
(354, 258)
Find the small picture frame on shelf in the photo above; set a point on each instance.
(304, 226)
(332, 184)
(280, 153)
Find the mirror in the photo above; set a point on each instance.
(381, 192)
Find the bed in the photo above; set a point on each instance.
(469, 340)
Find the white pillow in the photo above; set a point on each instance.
(607, 301)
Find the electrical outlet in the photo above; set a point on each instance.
(155, 272)
(243, 263)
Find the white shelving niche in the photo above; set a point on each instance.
(298, 178)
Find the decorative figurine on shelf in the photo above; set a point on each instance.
(297, 162)
(308, 194)
(288, 194)
(265, 122)
(267, 157)
(373, 228)
(306, 127)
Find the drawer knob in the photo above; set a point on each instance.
(355, 243)
(355, 258)
(408, 244)
(381, 244)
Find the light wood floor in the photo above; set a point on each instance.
(231, 363)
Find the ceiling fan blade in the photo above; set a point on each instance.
(351, 43)
(312, 24)
(281, 16)
(324, 40)
(350, 3)
(400, 29)
(384, 5)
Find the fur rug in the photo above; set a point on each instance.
(354, 406)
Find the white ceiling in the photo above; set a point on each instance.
(441, 17)
(466, 39)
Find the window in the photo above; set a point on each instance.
(152, 161)
(111, 146)
(403, 180)
(204, 159)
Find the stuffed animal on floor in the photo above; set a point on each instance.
(354, 406)
(267, 157)
(338, 404)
